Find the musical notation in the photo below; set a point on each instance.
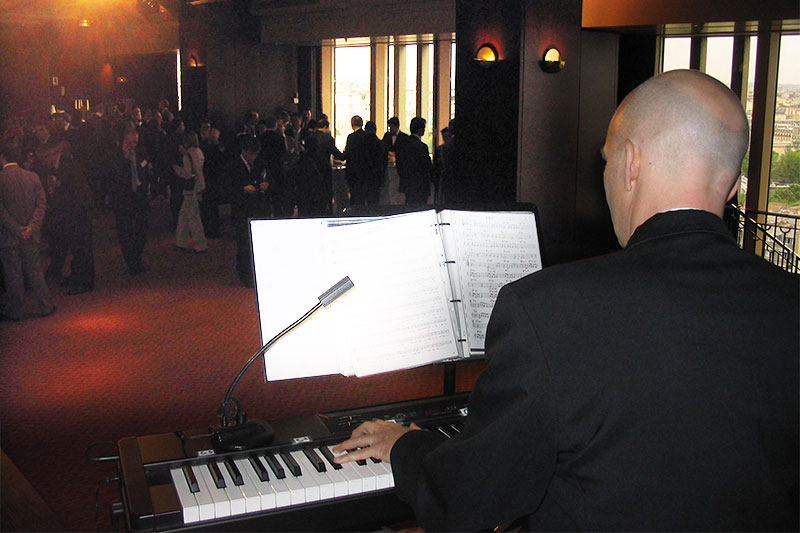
(495, 249)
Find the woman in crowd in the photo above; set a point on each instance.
(191, 176)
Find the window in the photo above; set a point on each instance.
(784, 188)
(719, 58)
(676, 53)
(351, 79)
(381, 77)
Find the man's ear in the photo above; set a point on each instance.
(632, 164)
(735, 188)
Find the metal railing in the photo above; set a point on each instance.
(772, 236)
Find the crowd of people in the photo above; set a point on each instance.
(122, 158)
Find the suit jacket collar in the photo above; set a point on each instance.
(678, 222)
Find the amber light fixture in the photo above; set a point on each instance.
(83, 23)
(486, 55)
(552, 61)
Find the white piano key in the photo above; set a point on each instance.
(305, 479)
(268, 500)
(339, 480)
(384, 476)
(235, 495)
(322, 480)
(388, 467)
(283, 495)
(189, 507)
(297, 491)
(354, 482)
(252, 498)
(367, 477)
(203, 496)
(222, 505)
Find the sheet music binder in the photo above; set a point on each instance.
(425, 284)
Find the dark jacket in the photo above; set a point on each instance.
(652, 389)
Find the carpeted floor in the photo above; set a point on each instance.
(150, 354)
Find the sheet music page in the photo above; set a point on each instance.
(397, 316)
(491, 249)
(288, 257)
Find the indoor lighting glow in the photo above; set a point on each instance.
(551, 60)
(178, 75)
(84, 23)
(486, 54)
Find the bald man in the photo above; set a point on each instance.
(651, 389)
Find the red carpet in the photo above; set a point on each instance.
(150, 354)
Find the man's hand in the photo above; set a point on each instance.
(372, 439)
(26, 232)
(250, 189)
(263, 186)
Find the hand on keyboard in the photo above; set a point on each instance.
(371, 439)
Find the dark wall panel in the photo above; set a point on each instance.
(549, 112)
(594, 233)
(487, 102)
(637, 61)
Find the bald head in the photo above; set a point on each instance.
(676, 141)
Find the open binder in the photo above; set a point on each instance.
(425, 284)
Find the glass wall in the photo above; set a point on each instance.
(784, 189)
(351, 94)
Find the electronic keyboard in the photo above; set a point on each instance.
(177, 481)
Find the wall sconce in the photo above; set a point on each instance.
(193, 61)
(551, 60)
(83, 23)
(486, 55)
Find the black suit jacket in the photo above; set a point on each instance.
(124, 200)
(652, 389)
(354, 154)
(245, 205)
(414, 166)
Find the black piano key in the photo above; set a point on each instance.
(456, 429)
(441, 431)
(362, 462)
(315, 459)
(328, 455)
(376, 461)
(276, 467)
(190, 478)
(447, 430)
(233, 470)
(459, 426)
(259, 467)
(294, 468)
(219, 481)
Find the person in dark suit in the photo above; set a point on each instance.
(70, 209)
(325, 150)
(393, 142)
(274, 156)
(414, 165)
(248, 190)
(356, 171)
(394, 138)
(311, 180)
(374, 163)
(127, 182)
(651, 389)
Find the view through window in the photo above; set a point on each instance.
(784, 179)
(404, 70)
